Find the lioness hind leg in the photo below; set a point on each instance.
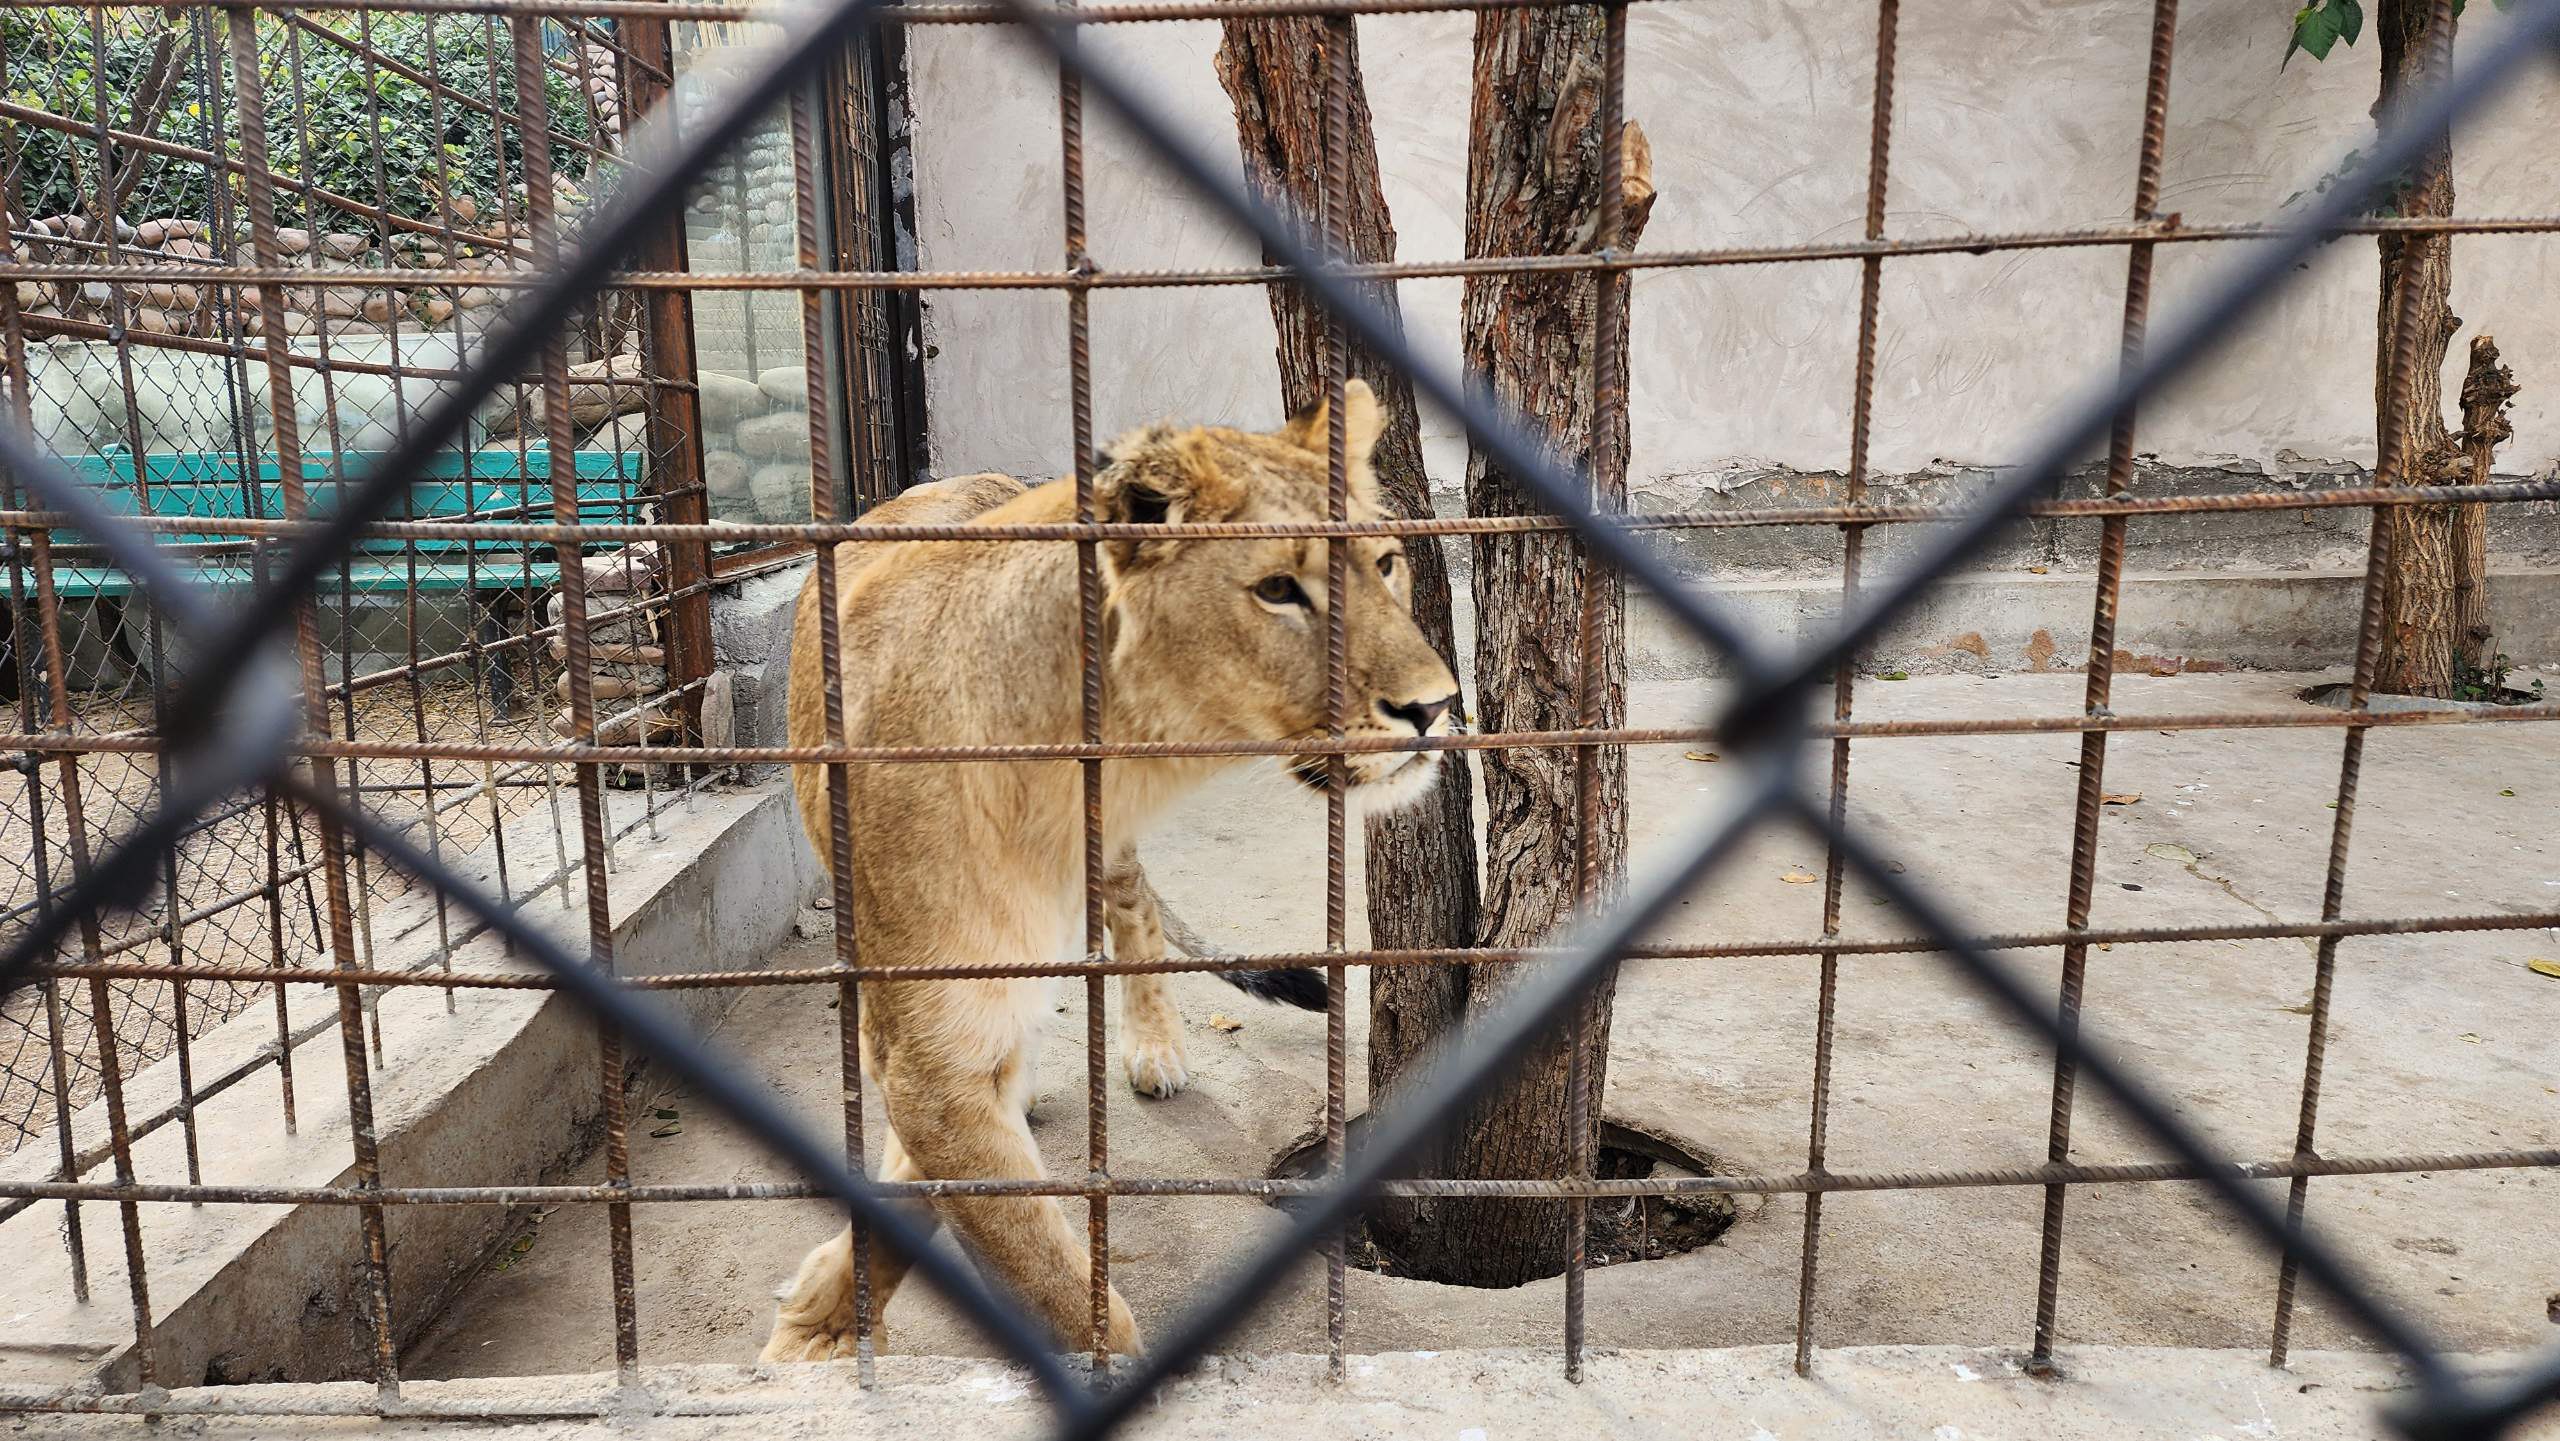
(963, 1125)
(1150, 1024)
(815, 1319)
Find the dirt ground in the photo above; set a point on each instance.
(2440, 1043)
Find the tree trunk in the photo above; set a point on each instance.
(1422, 862)
(2424, 640)
(1534, 173)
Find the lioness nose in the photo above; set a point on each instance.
(1418, 714)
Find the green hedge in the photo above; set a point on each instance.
(51, 61)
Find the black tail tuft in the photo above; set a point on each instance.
(1300, 987)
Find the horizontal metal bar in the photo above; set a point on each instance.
(1277, 1188)
(2307, 718)
(1290, 960)
(1104, 278)
(772, 14)
(2511, 492)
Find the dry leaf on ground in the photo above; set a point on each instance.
(1224, 1023)
(2119, 798)
(1799, 878)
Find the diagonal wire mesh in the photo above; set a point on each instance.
(236, 723)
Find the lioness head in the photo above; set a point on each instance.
(1227, 637)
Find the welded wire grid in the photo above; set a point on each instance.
(627, 244)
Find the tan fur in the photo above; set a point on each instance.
(976, 642)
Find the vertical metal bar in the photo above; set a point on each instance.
(101, 1003)
(560, 446)
(817, 394)
(1336, 192)
(823, 509)
(13, 365)
(481, 675)
(675, 411)
(109, 216)
(430, 814)
(359, 955)
(1608, 489)
(226, 240)
(2100, 677)
(1089, 607)
(259, 180)
(1844, 677)
(2391, 463)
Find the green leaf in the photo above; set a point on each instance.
(2351, 18)
(2319, 33)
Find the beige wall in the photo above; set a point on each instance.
(2010, 115)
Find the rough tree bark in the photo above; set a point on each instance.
(1421, 864)
(2425, 638)
(1534, 172)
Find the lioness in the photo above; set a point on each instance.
(976, 642)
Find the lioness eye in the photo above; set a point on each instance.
(1387, 563)
(1279, 590)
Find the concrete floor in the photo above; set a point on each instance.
(2440, 1043)
(1888, 1393)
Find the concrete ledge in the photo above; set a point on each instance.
(494, 1087)
(1750, 1394)
(2168, 621)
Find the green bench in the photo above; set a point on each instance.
(500, 577)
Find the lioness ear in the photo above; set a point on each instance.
(1150, 477)
(1364, 422)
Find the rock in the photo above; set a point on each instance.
(162, 322)
(343, 245)
(781, 492)
(188, 249)
(627, 657)
(477, 297)
(782, 437)
(724, 473)
(786, 385)
(465, 209)
(293, 242)
(602, 687)
(379, 306)
(30, 295)
(634, 567)
(345, 303)
(719, 726)
(728, 399)
(152, 232)
(437, 309)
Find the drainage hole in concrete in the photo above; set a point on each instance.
(1622, 1228)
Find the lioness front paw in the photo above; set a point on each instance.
(1156, 1067)
(814, 1343)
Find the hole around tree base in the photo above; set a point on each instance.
(1622, 1228)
